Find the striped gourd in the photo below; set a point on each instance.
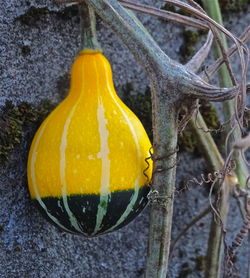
(86, 166)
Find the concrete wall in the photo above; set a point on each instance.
(38, 43)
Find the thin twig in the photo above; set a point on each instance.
(224, 55)
(195, 63)
(241, 206)
(248, 267)
(206, 143)
(200, 14)
(190, 110)
(242, 49)
(180, 83)
(217, 233)
(197, 218)
(220, 40)
(237, 242)
(155, 62)
(165, 15)
(212, 69)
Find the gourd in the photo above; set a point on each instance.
(87, 168)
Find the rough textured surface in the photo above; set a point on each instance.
(38, 42)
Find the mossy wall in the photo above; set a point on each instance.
(38, 43)
(15, 119)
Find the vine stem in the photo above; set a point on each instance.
(207, 145)
(165, 143)
(213, 9)
(171, 84)
(215, 162)
(248, 267)
(214, 254)
(165, 114)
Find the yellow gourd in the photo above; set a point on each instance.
(86, 166)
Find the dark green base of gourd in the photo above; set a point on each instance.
(85, 209)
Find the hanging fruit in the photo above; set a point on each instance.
(87, 166)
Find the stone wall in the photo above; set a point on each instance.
(38, 43)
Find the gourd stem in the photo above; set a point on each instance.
(88, 28)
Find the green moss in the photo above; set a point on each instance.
(228, 6)
(174, 9)
(13, 120)
(43, 109)
(185, 271)
(169, 7)
(187, 49)
(25, 50)
(140, 104)
(62, 85)
(68, 12)
(190, 36)
(187, 141)
(34, 14)
(200, 263)
(209, 114)
(17, 248)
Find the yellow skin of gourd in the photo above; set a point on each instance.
(92, 143)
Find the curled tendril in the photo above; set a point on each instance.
(205, 179)
(150, 157)
(237, 242)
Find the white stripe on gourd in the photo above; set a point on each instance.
(105, 173)
(127, 210)
(139, 157)
(104, 155)
(63, 147)
(33, 177)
